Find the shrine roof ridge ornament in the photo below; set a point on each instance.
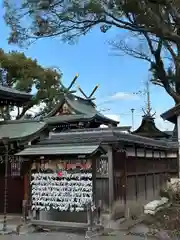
(67, 90)
(81, 109)
(89, 98)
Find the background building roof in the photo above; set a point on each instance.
(149, 129)
(105, 136)
(13, 96)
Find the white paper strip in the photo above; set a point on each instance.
(71, 191)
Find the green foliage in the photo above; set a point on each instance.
(25, 74)
(158, 21)
(30, 20)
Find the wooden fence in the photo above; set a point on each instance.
(136, 186)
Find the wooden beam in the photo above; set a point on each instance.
(111, 176)
(59, 224)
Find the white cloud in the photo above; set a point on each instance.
(33, 111)
(113, 117)
(124, 96)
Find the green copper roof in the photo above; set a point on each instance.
(81, 105)
(68, 118)
(18, 130)
(59, 150)
(83, 108)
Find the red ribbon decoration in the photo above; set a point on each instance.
(60, 174)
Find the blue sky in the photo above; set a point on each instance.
(92, 58)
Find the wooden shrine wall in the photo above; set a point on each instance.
(15, 189)
(136, 179)
(144, 178)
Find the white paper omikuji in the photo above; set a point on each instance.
(72, 192)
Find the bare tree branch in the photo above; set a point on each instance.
(151, 52)
(121, 46)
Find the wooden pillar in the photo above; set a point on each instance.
(25, 168)
(145, 177)
(94, 180)
(94, 160)
(26, 197)
(153, 158)
(166, 162)
(111, 176)
(127, 210)
(178, 133)
(160, 175)
(136, 176)
(26, 186)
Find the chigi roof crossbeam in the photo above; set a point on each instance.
(72, 108)
(68, 89)
(92, 93)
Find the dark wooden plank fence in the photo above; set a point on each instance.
(141, 183)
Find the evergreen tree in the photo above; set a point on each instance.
(25, 74)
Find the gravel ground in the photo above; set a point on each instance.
(68, 236)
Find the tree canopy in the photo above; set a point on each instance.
(25, 74)
(156, 21)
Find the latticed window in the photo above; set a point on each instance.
(102, 165)
(15, 167)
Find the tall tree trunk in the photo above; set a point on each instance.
(161, 73)
(177, 73)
